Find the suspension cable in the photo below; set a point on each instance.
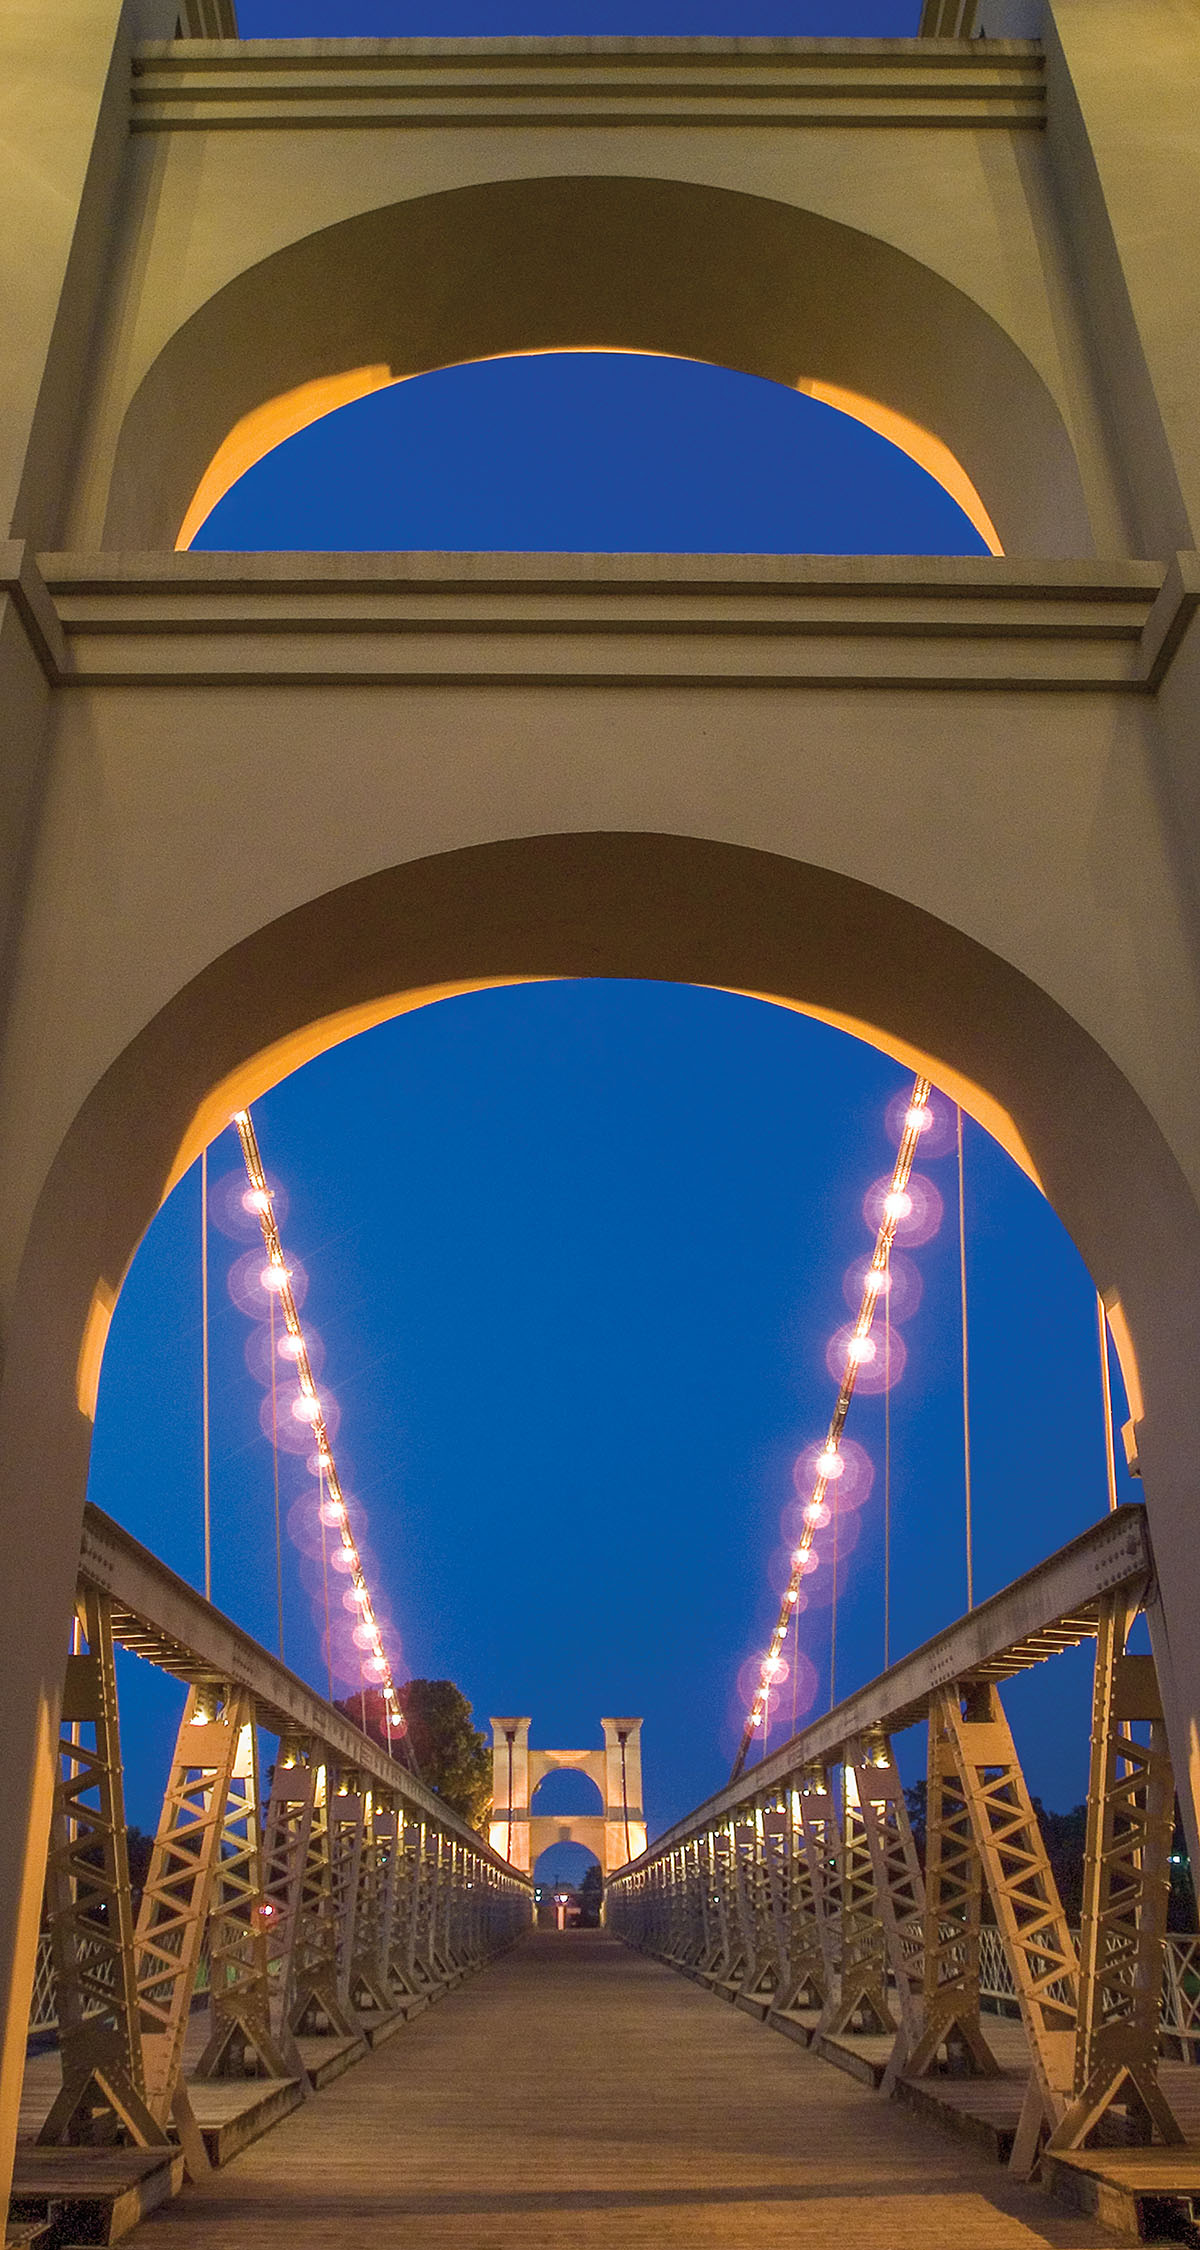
(829, 1464)
(1110, 1458)
(833, 1608)
(275, 1465)
(328, 1480)
(887, 1481)
(966, 1367)
(206, 1440)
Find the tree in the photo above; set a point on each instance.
(590, 1893)
(451, 1756)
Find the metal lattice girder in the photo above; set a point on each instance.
(899, 1885)
(756, 1965)
(316, 1993)
(804, 1980)
(401, 1969)
(424, 1908)
(778, 1846)
(770, 1823)
(1126, 1882)
(861, 1991)
(285, 1855)
(821, 1830)
(720, 1949)
(346, 1814)
(696, 1902)
(90, 1908)
(370, 1965)
(732, 1961)
(710, 1904)
(238, 1943)
(179, 1888)
(953, 1891)
(1026, 1904)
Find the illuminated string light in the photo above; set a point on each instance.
(345, 1557)
(860, 1351)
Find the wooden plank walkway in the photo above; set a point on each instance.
(581, 2096)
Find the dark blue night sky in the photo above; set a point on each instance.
(575, 1251)
(499, 19)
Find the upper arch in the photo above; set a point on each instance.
(657, 265)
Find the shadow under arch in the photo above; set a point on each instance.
(642, 265)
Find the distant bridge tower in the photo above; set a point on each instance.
(615, 1835)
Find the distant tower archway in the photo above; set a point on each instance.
(615, 1835)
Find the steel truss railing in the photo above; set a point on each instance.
(351, 1893)
(799, 1888)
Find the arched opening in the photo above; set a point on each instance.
(568, 1888)
(535, 1161)
(674, 908)
(567, 1792)
(636, 452)
(703, 274)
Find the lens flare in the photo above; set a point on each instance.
(230, 1212)
(858, 1471)
(920, 1222)
(245, 1285)
(901, 1296)
(875, 1372)
(937, 1137)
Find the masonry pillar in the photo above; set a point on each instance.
(625, 1820)
(509, 1833)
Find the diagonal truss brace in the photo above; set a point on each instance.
(899, 1885)
(238, 1941)
(179, 1891)
(953, 1896)
(1025, 1900)
(1131, 1804)
(861, 1988)
(90, 1907)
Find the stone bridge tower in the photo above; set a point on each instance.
(615, 1835)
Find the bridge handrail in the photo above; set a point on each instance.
(1051, 1608)
(158, 1615)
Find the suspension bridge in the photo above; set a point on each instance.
(256, 804)
(293, 1926)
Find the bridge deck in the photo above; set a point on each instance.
(580, 2095)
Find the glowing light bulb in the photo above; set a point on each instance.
(375, 1667)
(860, 1350)
(290, 1347)
(898, 1204)
(792, 1595)
(770, 1667)
(919, 1118)
(362, 1636)
(877, 1281)
(275, 1277)
(305, 1409)
(817, 1514)
(830, 1464)
(257, 1199)
(331, 1512)
(756, 1718)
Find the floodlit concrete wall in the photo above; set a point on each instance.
(950, 804)
(615, 1834)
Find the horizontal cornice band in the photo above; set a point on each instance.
(637, 620)
(209, 85)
